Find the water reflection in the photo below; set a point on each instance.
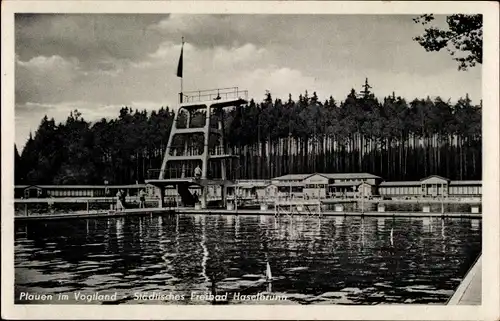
(205, 250)
(475, 224)
(362, 232)
(119, 231)
(333, 260)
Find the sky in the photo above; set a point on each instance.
(98, 63)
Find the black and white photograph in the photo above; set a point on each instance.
(231, 159)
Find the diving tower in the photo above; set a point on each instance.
(197, 141)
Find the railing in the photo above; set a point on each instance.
(170, 173)
(197, 151)
(174, 173)
(218, 151)
(190, 151)
(213, 94)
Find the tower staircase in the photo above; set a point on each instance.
(197, 140)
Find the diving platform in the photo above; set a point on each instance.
(197, 130)
(221, 156)
(219, 97)
(197, 153)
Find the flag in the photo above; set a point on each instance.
(179, 66)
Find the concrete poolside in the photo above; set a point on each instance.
(187, 210)
(469, 291)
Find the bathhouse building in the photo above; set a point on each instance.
(307, 186)
(429, 187)
(56, 191)
(322, 185)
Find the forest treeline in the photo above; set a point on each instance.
(393, 138)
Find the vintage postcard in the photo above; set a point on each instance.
(250, 160)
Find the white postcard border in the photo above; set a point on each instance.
(489, 310)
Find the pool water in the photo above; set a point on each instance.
(179, 259)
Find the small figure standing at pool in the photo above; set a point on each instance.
(142, 199)
(197, 172)
(124, 199)
(119, 205)
(120, 202)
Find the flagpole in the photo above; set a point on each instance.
(182, 77)
(180, 73)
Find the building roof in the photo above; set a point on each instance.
(253, 181)
(436, 176)
(417, 183)
(292, 176)
(286, 184)
(82, 186)
(354, 183)
(400, 183)
(466, 182)
(328, 175)
(32, 186)
(348, 175)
